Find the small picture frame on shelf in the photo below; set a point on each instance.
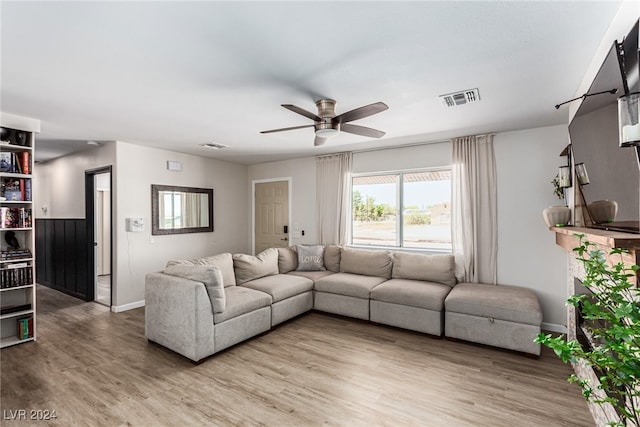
(13, 195)
(6, 162)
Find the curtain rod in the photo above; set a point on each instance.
(414, 144)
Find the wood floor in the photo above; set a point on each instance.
(95, 368)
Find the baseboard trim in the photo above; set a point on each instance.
(125, 307)
(553, 327)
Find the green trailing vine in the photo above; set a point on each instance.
(557, 189)
(613, 314)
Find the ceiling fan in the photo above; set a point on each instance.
(327, 124)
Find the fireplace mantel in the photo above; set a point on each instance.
(605, 240)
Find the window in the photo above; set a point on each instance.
(402, 209)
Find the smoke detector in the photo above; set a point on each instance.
(460, 98)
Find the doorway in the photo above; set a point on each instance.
(271, 214)
(99, 233)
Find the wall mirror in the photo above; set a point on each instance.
(178, 210)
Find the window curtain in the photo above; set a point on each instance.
(333, 174)
(474, 209)
(191, 210)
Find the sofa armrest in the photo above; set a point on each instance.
(178, 315)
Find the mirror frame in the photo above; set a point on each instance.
(155, 210)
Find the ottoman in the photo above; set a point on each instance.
(501, 316)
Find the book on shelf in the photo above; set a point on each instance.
(24, 161)
(13, 254)
(14, 275)
(15, 162)
(6, 162)
(27, 190)
(15, 189)
(25, 328)
(15, 217)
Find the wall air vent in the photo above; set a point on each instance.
(460, 98)
(214, 146)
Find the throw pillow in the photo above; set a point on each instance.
(332, 258)
(366, 262)
(287, 259)
(428, 268)
(223, 261)
(310, 258)
(249, 267)
(211, 277)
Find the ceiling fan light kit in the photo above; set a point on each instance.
(327, 124)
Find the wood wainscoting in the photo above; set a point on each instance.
(62, 256)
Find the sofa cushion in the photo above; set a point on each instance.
(211, 277)
(287, 259)
(332, 258)
(412, 293)
(224, 262)
(281, 286)
(249, 267)
(313, 275)
(366, 262)
(429, 268)
(354, 285)
(241, 300)
(310, 258)
(510, 303)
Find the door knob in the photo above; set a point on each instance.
(285, 239)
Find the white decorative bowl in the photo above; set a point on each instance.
(556, 216)
(603, 211)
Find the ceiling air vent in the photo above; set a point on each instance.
(214, 146)
(460, 98)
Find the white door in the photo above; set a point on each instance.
(272, 215)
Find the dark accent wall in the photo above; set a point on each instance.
(62, 256)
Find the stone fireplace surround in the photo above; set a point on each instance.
(606, 241)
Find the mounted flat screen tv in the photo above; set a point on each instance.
(614, 172)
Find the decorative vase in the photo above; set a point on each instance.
(556, 216)
(603, 211)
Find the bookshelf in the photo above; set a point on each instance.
(17, 238)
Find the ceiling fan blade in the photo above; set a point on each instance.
(302, 112)
(361, 130)
(360, 113)
(283, 129)
(319, 141)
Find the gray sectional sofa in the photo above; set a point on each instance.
(202, 306)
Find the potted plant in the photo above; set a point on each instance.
(559, 215)
(613, 316)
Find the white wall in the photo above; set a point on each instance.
(526, 162)
(303, 198)
(140, 253)
(59, 185)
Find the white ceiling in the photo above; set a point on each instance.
(174, 75)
